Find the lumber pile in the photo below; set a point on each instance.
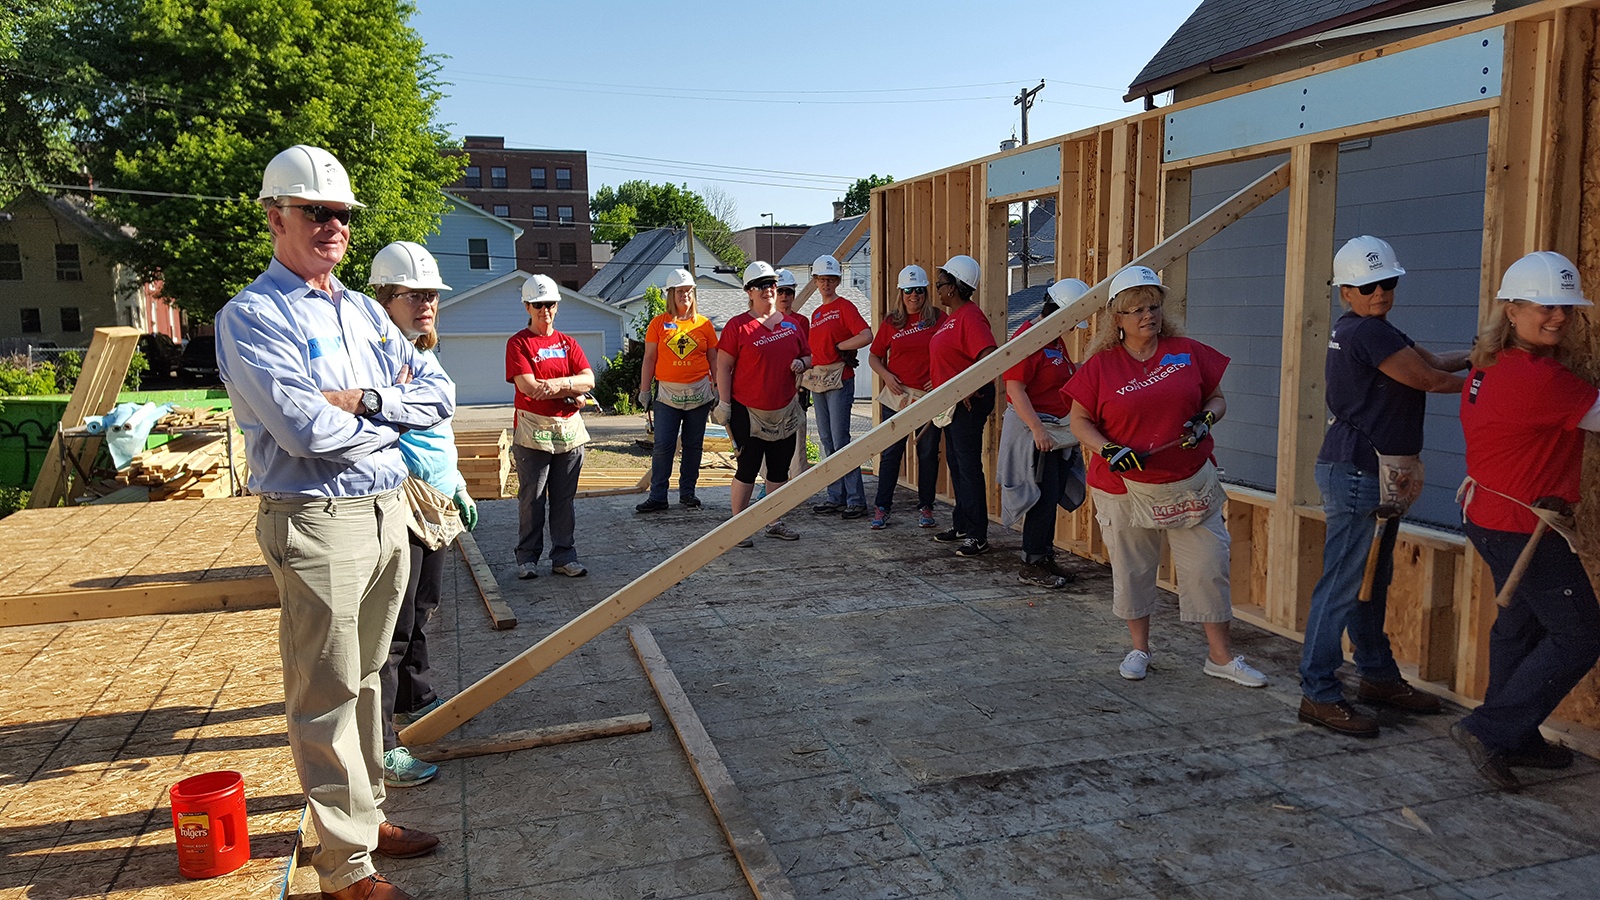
(195, 463)
(484, 458)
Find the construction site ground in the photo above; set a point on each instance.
(898, 722)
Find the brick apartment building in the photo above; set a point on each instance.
(546, 192)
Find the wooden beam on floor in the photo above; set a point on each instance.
(144, 600)
(529, 738)
(104, 368)
(749, 844)
(592, 622)
(500, 615)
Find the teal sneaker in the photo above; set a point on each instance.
(405, 720)
(402, 770)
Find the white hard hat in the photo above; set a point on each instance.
(407, 265)
(1363, 260)
(758, 271)
(786, 280)
(540, 289)
(679, 278)
(826, 265)
(307, 173)
(1544, 277)
(965, 270)
(1134, 276)
(913, 277)
(1067, 290)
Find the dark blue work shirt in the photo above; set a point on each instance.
(1372, 413)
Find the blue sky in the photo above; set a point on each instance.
(782, 106)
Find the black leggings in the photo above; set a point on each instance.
(753, 451)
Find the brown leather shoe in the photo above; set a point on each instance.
(396, 842)
(1397, 694)
(1338, 716)
(372, 887)
(1494, 767)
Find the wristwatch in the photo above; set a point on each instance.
(371, 402)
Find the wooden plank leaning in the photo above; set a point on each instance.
(675, 568)
(104, 368)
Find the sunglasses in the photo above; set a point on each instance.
(1549, 309)
(768, 286)
(1387, 284)
(543, 304)
(914, 290)
(418, 298)
(940, 284)
(1153, 309)
(321, 214)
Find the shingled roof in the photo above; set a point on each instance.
(1222, 31)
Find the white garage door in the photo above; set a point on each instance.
(477, 363)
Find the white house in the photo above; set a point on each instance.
(473, 247)
(474, 325)
(646, 261)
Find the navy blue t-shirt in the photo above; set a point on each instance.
(1372, 413)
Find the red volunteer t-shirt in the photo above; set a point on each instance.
(1520, 418)
(543, 357)
(830, 324)
(1143, 405)
(762, 358)
(1043, 374)
(904, 351)
(957, 341)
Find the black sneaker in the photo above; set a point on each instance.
(825, 508)
(972, 547)
(1545, 756)
(650, 506)
(852, 512)
(949, 536)
(689, 502)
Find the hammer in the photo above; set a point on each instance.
(1520, 567)
(1384, 513)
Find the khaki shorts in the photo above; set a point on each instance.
(1199, 556)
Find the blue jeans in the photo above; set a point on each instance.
(1541, 645)
(927, 465)
(963, 450)
(833, 430)
(1349, 495)
(669, 420)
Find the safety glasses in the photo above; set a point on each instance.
(1387, 284)
(1153, 309)
(913, 290)
(418, 298)
(320, 214)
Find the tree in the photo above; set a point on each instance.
(193, 97)
(638, 205)
(858, 199)
(36, 109)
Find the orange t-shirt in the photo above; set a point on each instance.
(681, 347)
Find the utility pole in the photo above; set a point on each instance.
(694, 274)
(1025, 100)
(772, 240)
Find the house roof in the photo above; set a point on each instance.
(472, 208)
(77, 213)
(517, 277)
(1221, 31)
(822, 239)
(626, 275)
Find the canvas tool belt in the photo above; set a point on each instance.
(434, 518)
(1564, 524)
(552, 434)
(1061, 436)
(898, 402)
(1180, 504)
(821, 379)
(775, 424)
(693, 395)
(1399, 481)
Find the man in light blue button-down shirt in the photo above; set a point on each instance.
(323, 385)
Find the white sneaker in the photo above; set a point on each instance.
(1134, 665)
(572, 569)
(1238, 672)
(527, 570)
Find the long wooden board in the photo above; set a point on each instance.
(529, 738)
(500, 615)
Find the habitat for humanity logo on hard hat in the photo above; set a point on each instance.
(328, 173)
(1374, 260)
(1569, 279)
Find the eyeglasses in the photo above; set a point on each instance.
(320, 214)
(418, 298)
(543, 304)
(1549, 309)
(1387, 284)
(1153, 309)
(913, 290)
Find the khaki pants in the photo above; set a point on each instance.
(341, 569)
(1199, 556)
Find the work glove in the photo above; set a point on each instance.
(1198, 426)
(469, 509)
(1120, 458)
(643, 397)
(722, 413)
(850, 358)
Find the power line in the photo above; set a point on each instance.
(721, 166)
(510, 81)
(635, 87)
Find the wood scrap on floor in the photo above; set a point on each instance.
(529, 738)
(500, 614)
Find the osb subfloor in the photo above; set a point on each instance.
(901, 723)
